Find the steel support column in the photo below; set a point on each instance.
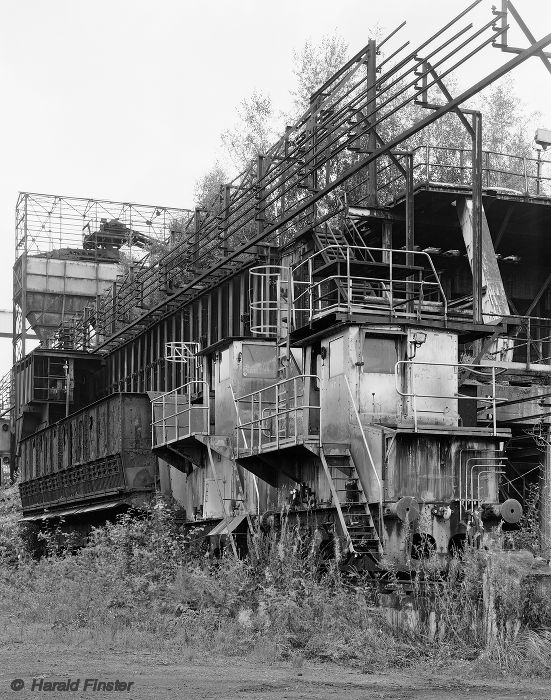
(410, 227)
(477, 217)
(372, 119)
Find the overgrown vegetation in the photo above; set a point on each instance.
(140, 583)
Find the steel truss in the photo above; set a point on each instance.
(359, 121)
(85, 229)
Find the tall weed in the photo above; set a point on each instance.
(142, 583)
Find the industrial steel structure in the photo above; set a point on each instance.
(356, 330)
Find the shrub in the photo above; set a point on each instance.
(140, 582)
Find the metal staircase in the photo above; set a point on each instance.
(350, 500)
(332, 236)
(339, 245)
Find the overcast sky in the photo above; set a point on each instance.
(126, 99)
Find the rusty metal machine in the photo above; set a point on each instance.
(356, 334)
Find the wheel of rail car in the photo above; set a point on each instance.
(407, 509)
(268, 521)
(423, 545)
(456, 545)
(511, 511)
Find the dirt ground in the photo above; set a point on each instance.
(158, 677)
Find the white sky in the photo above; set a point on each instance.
(125, 99)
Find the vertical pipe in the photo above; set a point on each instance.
(494, 400)
(176, 421)
(242, 303)
(410, 228)
(260, 421)
(209, 318)
(348, 282)
(67, 387)
(413, 395)
(153, 386)
(427, 164)
(139, 365)
(289, 323)
(199, 314)
(477, 217)
(310, 291)
(153, 424)
(24, 285)
(277, 415)
(251, 439)
(528, 342)
(219, 316)
(460, 484)
(391, 280)
(545, 500)
(296, 408)
(206, 401)
(158, 358)
(230, 307)
(386, 240)
(174, 365)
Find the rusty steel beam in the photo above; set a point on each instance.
(279, 181)
(393, 143)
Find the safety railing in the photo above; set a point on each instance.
(406, 386)
(179, 413)
(526, 341)
(278, 416)
(396, 283)
(448, 166)
(97, 478)
(268, 300)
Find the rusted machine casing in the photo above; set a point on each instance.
(102, 452)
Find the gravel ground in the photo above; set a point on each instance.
(160, 676)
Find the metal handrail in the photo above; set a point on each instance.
(164, 401)
(428, 162)
(388, 255)
(255, 426)
(530, 326)
(265, 307)
(376, 280)
(413, 394)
